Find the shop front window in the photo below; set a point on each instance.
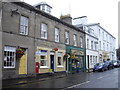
(43, 58)
(59, 59)
(43, 61)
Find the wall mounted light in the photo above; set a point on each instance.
(14, 12)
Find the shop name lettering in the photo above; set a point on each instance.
(77, 52)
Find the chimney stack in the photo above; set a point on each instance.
(66, 18)
(80, 20)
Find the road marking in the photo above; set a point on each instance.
(103, 76)
(78, 84)
(100, 77)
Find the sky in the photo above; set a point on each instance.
(104, 12)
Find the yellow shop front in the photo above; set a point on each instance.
(50, 60)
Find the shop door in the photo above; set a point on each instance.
(52, 62)
(23, 63)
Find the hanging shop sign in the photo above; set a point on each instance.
(41, 52)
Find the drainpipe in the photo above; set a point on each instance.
(1, 46)
(35, 44)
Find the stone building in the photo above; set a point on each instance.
(35, 42)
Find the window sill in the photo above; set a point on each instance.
(44, 67)
(9, 67)
(60, 66)
(23, 34)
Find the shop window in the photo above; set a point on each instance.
(59, 59)
(43, 61)
(24, 25)
(43, 58)
(9, 57)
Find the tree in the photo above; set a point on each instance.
(118, 53)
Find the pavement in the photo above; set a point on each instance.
(19, 81)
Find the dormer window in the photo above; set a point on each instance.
(44, 7)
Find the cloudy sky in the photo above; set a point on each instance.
(104, 12)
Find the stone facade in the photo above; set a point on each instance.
(33, 42)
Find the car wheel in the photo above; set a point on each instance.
(93, 70)
(106, 69)
(112, 67)
(102, 69)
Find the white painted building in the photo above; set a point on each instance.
(91, 41)
(100, 44)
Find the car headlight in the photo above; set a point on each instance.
(115, 63)
(100, 67)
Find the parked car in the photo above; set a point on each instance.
(109, 64)
(116, 63)
(100, 67)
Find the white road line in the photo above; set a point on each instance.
(78, 84)
(100, 77)
(103, 76)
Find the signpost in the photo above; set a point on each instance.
(68, 56)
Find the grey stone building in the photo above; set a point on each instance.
(34, 42)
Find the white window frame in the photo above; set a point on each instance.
(44, 29)
(81, 42)
(48, 9)
(91, 59)
(100, 45)
(75, 40)
(10, 49)
(60, 55)
(24, 25)
(44, 54)
(95, 44)
(67, 37)
(103, 46)
(92, 45)
(57, 36)
(88, 43)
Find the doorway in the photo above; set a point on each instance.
(88, 61)
(23, 63)
(52, 62)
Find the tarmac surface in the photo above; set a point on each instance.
(107, 80)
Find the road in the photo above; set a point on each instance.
(106, 79)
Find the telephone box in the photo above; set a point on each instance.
(37, 67)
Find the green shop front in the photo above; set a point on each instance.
(76, 59)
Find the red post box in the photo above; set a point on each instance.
(37, 67)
